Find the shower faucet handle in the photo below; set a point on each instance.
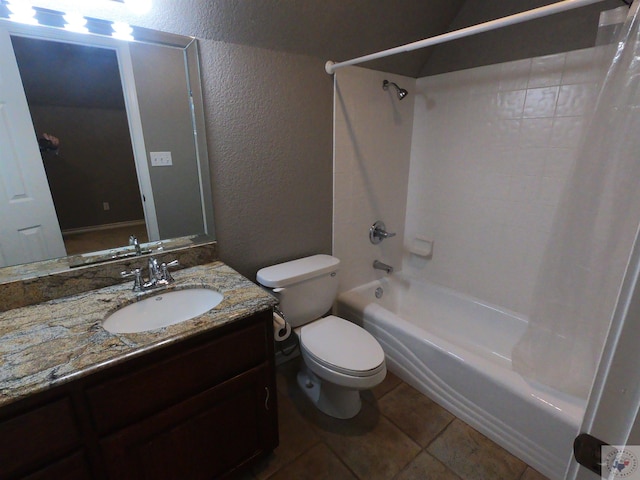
(378, 232)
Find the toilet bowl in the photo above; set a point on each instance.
(340, 358)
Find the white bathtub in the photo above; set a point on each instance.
(457, 351)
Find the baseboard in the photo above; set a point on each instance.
(105, 226)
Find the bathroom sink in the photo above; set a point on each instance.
(162, 310)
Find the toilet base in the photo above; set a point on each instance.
(333, 400)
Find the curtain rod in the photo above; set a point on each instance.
(562, 6)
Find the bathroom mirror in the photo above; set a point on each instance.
(120, 129)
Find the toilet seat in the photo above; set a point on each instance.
(342, 346)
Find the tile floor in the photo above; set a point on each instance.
(77, 243)
(400, 434)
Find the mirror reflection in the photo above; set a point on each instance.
(79, 116)
(116, 129)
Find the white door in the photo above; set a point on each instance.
(612, 411)
(29, 228)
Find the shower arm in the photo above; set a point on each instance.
(401, 92)
(330, 67)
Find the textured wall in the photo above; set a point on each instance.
(269, 123)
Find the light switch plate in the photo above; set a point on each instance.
(161, 159)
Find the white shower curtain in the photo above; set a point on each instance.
(592, 236)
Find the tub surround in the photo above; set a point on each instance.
(51, 343)
(371, 169)
(456, 350)
(38, 282)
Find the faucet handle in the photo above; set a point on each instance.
(137, 281)
(378, 232)
(164, 271)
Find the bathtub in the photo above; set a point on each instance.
(457, 350)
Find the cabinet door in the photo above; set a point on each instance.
(37, 437)
(201, 438)
(71, 468)
(144, 391)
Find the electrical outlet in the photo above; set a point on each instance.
(105, 206)
(160, 159)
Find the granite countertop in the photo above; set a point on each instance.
(45, 345)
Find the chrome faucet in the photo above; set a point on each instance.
(133, 240)
(158, 275)
(154, 273)
(378, 232)
(378, 265)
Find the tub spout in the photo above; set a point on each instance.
(378, 265)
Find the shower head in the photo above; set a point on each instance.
(401, 91)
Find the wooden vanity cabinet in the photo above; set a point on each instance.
(199, 409)
(41, 441)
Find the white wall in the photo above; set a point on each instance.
(372, 140)
(492, 148)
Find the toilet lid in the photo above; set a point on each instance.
(342, 346)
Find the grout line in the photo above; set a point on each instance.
(407, 465)
(439, 434)
(390, 391)
(407, 434)
(283, 466)
(340, 459)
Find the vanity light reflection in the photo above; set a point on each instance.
(22, 13)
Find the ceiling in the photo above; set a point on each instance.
(335, 30)
(339, 30)
(343, 29)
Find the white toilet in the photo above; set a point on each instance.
(340, 358)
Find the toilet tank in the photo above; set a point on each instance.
(306, 288)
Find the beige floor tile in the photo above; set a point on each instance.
(369, 444)
(531, 474)
(425, 467)
(318, 463)
(296, 436)
(415, 414)
(473, 456)
(389, 383)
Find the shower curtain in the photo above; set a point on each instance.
(594, 229)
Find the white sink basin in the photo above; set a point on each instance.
(161, 310)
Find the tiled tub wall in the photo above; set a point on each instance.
(372, 142)
(491, 150)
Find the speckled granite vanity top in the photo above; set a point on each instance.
(50, 343)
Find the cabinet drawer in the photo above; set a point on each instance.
(36, 437)
(122, 400)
